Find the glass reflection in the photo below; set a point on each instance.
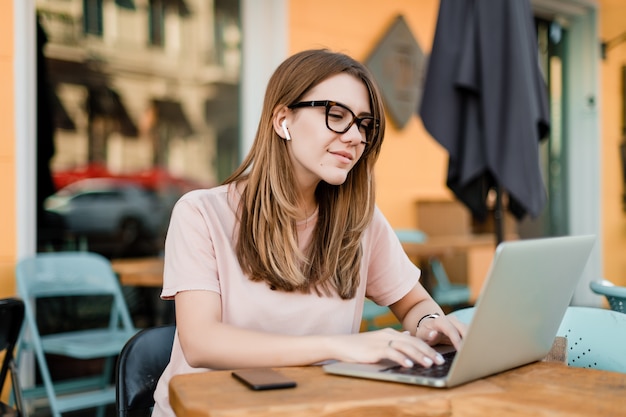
(142, 94)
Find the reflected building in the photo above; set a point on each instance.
(144, 84)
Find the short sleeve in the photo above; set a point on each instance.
(390, 272)
(190, 262)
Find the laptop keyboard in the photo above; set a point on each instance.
(435, 371)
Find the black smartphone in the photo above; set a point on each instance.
(263, 379)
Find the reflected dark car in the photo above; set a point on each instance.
(115, 217)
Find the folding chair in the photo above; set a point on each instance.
(139, 367)
(11, 320)
(615, 295)
(444, 292)
(73, 275)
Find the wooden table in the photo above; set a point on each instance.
(539, 389)
(139, 272)
(147, 275)
(440, 246)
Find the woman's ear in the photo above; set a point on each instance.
(281, 124)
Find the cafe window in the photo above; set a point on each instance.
(92, 17)
(122, 112)
(157, 23)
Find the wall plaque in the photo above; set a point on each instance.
(398, 65)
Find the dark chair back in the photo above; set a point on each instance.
(11, 320)
(139, 367)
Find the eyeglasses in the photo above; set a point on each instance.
(339, 118)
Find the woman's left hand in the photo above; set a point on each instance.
(442, 330)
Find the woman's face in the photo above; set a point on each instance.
(317, 152)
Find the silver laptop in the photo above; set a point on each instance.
(522, 303)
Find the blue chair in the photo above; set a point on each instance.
(444, 292)
(596, 338)
(73, 275)
(411, 235)
(615, 295)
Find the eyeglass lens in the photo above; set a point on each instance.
(340, 118)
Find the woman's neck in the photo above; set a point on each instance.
(308, 202)
(307, 208)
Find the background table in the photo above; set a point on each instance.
(139, 272)
(144, 276)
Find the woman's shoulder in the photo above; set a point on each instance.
(206, 193)
(378, 219)
(219, 197)
(379, 227)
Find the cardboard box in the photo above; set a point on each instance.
(443, 218)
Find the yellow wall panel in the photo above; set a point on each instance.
(611, 25)
(7, 115)
(7, 212)
(8, 216)
(6, 29)
(7, 279)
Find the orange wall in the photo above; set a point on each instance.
(412, 165)
(612, 24)
(8, 240)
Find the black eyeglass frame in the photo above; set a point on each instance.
(370, 130)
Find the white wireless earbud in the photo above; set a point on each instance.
(284, 125)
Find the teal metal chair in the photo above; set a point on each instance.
(596, 338)
(411, 235)
(444, 292)
(72, 275)
(615, 295)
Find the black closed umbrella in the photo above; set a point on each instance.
(485, 101)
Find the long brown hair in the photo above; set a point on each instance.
(267, 241)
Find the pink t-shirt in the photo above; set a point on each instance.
(200, 255)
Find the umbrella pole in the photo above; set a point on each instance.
(498, 218)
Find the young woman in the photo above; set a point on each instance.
(271, 268)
